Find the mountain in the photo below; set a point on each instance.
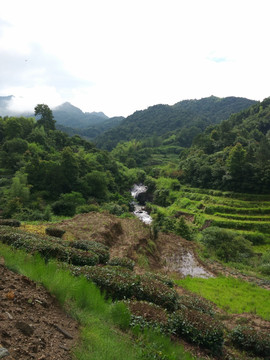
(91, 132)
(70, 116)
(160, 120)
(233, 155)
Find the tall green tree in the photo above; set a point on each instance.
(45, 117)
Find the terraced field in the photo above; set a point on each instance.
(246, 214)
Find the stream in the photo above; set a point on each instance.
(183, 262)
(139, 210)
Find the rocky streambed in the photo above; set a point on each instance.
(139, 209)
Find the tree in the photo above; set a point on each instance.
(46, 117)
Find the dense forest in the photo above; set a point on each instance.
(184, 119)
(43, 166)
(234, 155)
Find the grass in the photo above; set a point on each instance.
(232, 295)
(101, 336)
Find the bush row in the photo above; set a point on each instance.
(121, 283)
(199, 328)
(10, 222)
(48, 247)
(251, 340)
(243, 217)
(123, 262)
(243, 225)
(213, 209)
(101, 250)
(195, 326)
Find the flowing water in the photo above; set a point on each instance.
(139, 210)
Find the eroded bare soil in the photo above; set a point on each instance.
(32, 325)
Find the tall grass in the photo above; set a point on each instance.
(102, 323)
(233, 295)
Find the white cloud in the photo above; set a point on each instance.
(123, 55)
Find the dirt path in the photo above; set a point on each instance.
(32, 325)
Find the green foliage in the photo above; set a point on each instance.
(121, 283)
(182, 229)
(99, 339)
(231, 156)
(198, 328)
(67, 203)
(115, 209)
(54, 231)
(145, 315)
(87, 208)
(100, 249)
(47, 248)
(46, 117)
(177, 124)
(10, 222)
(120, 315)
(123, 262)
(195, 302)
(252, 340)
(226, 245)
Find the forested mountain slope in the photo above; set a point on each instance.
(234, 155)
(159, 120)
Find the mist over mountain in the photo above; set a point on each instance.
(69, 115)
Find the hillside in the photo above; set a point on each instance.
(234, 155)
(71, 116)
(160, 120)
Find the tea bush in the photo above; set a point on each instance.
(123, 262)
(198, 328)
(121, 283)
(100, 249)
(195, 302)
(145, 314)
(53, 231)
(249, 339)
(10, 222)
(48, 247)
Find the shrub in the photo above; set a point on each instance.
(195, 302)
(147, 314)
(48, 247)
(121, 283)
(61, 207)
(226, 245)
(123, 262)
(182, 229)
(249, 339)
(162, 278)
(10, 222)
(86, 208)
(198, 328)
(100, 249)
(115, 209)
(53, 231)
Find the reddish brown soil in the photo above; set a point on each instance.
(32, 324)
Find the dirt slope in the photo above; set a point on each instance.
(32, 325)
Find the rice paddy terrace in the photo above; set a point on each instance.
(246, 214)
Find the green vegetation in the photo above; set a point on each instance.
(233, 155)
(44, 172)
(100, 339)
(177, 124)
(233, 295)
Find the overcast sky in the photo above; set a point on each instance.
(118, 56)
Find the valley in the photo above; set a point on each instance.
(197, 271)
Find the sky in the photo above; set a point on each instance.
(119, 56)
